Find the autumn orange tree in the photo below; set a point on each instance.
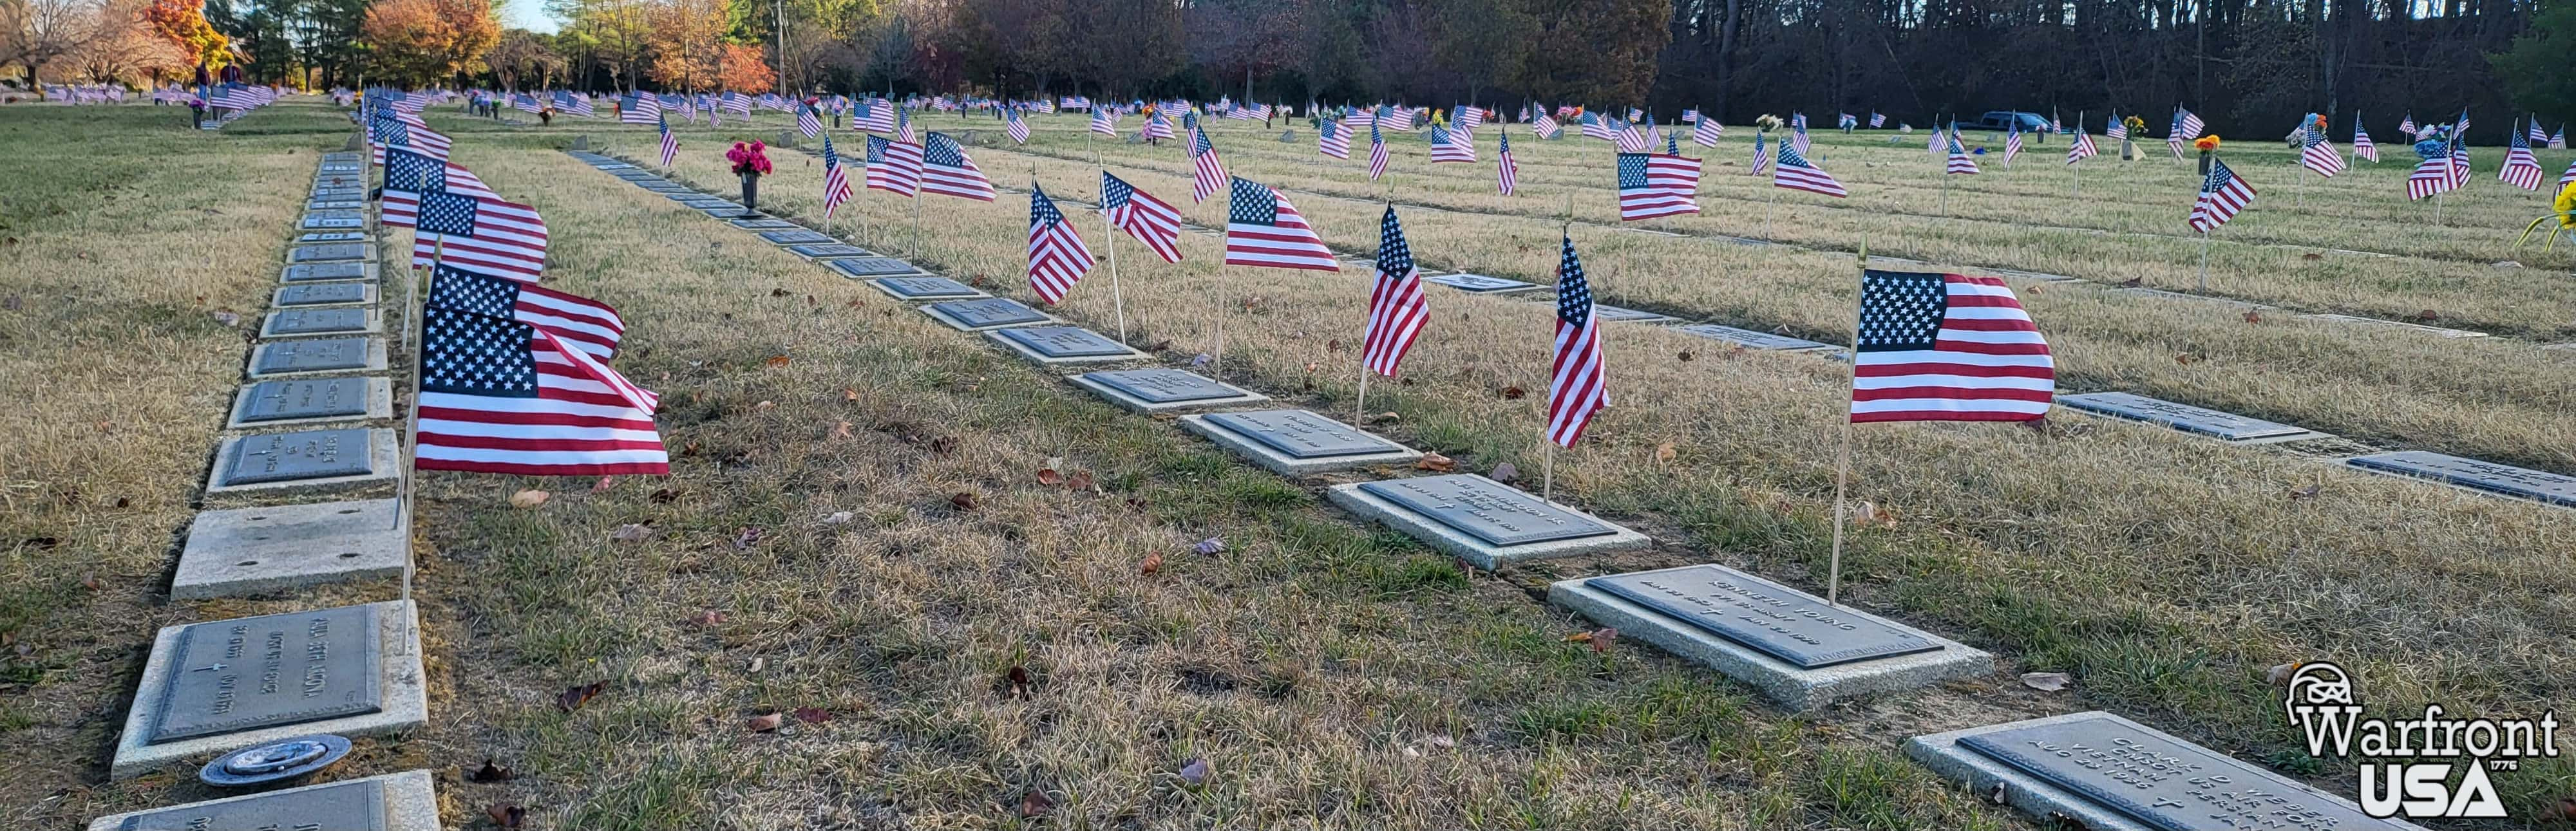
(426, 40)
(182, 24)
(691, 50)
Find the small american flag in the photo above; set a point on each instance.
(1362, 117)
(409, 176)
(1959, 162)
(585, 324)
(1796, 173)
(1104, 121)
(1151, 221)
(2361, 145)
(1576, 387)
(1262, 229)
(2316, 153)
(1946, 347)
(2012, 143)
(1016, 126)
(894, 166)
(1157, 126)
(1761, 156)
(903, 125)
(1377, 152)
(670, 143)
(2118, 131)
(809, 120)
(1470, 117)
(2082, 147)
(500, 396)
(1544, 126)
(1507, 172)
(1396, 309)
(1595, 126)
(1057, 257)
(1705, 131)
(639, 109)
(2533, 132)
(2432, 176)
(1450, 146)
(836, 180)
(484, 236)
(1333, 139)
(873, 116)
(2558, 140)
(736, 103)
(1632, 139)
(1877, 119)
(1655, 184)
(2521, 169)
(1635, 114)
(2569, 175)
(2406, 125)
(1846, 121)
(1211, 175)
(2222, 194)
(946, 170)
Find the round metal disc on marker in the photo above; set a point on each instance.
(274, 761)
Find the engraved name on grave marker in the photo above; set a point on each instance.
(1479, 283)
(923, 288)
(322, 294)
(318, 355)
(830, 250)
(327, 252)
(308, 454)
(2184, 417)
(870, 266)
(305, 398)
(2161, 781)
(233, 675)
(1779, 621)
(315, 321)
(990, 311)
(340, 806)
(796, 237)
(1064, 342)
(2475, 475)
(1495, 513)
(1302, 434)
(309, 272)
(1163, 386)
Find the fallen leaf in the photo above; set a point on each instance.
(1684, 356)
(2133, 282)
(665, 495)
(1195, 773)
(777, 360)
(506, 815)
(943, 445)
(2185, 358)
(1602, 639)
(962, 501)
(1442, 742)
(90, 582)
(764, 406)
(1153, 563)
(2045, 681)
(743, 540)
(705, 617)
(1035, 804)
(2279, 674)
(1513, 393)
(757, 663)
(841, 430)
(2312, 256)
(839, 518)
(579, 694)
(1436, 463)
(2308, 492)
(529, 498)
(1018, 680)
(812, 715)
(491, 773)
(631, 532)
(1159, 346)
(1048, 477)
(1210, 545)
(2428, 315)
(1869, 513)
(2253, 316)
(1665, 452)
(604, 483)
(1080, 480)
(1334, 345)
(849, 393)
(1506, 473)
(778, 292)
(764, 723)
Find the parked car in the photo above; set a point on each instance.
(2003, 120)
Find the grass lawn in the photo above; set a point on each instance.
(856, 533)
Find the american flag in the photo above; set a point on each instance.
(1761, 157)
(1544, 126)
(2316, 153)
(1396, 310)
(1333, 139)
(1798, 133)
(1507, 173)
(583, 323)
(2558, 140)
(393, 129)
(1635, 114)
(2533, 131)
(2361, 145)
(639, 109)
(1796, 173)
(1105, 122)
(2222, 194)
(410, 175)
(1451, 146)
(2567, 176)
(1877, 119)
(1595, 126)
(1399, 118)
(1937, 142)
(1362, 117)
(1470, 117)
(2407, 125)
(1156, 126)
(2432, 176)
(574, 103)
(500, 396)
(2012, 143)
(1705, 131)
(2118, 131)
(2186, 126)
(1016, 126)
(1151, 221)
(1057, 257)
(1262, 229)
(1576, 387)
(736, 103)
(1377, 153)
(1211, 175)
(809, 120)
(873, 116)
(836, 180)
(481, 235)
(894, 166)
(1946, 347)
(1959, 162)
(1655, 184)
(946, 170)
(2521, 169)
(1074, 102)
(1631, 139)
(2082, 147)
(670, 143)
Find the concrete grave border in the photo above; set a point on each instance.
(382, 455)
(247, 551)
(1281, 463)
(411, 802)
(1466, 546)
(406, 701)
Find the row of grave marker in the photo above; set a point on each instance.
(272, 697)
(1798, 651)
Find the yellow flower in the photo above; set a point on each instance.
(2566, 205)
(2206, 143)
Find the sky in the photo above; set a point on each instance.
(526, 14)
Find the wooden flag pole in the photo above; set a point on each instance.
(1771, 207)
(1842, 467)
(916, 217)
(1216, 362)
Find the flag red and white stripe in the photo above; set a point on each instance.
(485, 236)
(1262, 229)
(1151, 221)
(1507, 172)
(2222, 194)
(1657, 184)
(586, 324)
(1396, 308)
(1057, 257)
(1577, 386)
(500, 396)
(1947, 347)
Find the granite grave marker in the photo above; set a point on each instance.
(304, 398)
(861, 267)
(2488, 477)
(2187, 418)
(246, 673)
(829, 251)
(924, 288)
(308, 454)
(798, 236)
(1064, 342)
(322, 294)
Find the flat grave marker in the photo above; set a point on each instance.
(310, 400)
(924, 288)
(2472, 474)
(305, 458)
(331, 236)
(324, 294)
(1751, 339)
(731, 213)
(293, 357)
(1481, 521)
(345, 320)
(829, 251)
(2107, 772)
(239, 552)
(406, 801)
(1297, 442)
(1061, 345)
(859, 268)
(1622, 314)
(228, 684)
(332, 252)
(314, 272)
(334, 205)
(1480, 284)
(799, 236)
(324, 221)
(2224, 426)
(762, 224)
(1162, 390)
(982, 313)
(2412, 327)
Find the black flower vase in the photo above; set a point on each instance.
(750, 195)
